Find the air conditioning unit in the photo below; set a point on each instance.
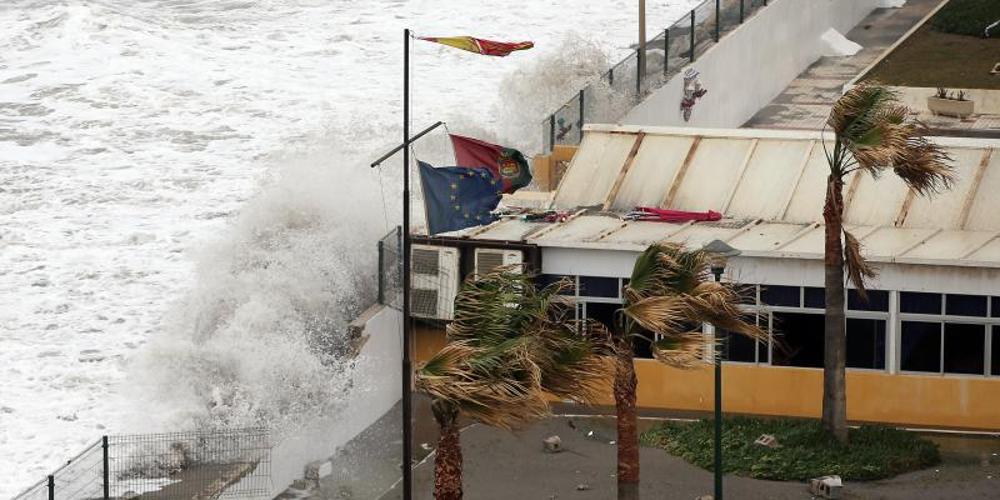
(434, 281)
(488, 259)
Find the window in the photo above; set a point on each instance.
(815, 297)
(737, 347)
(592, 286)
(995, 354)
(995, 307)
(774, 295)
(965, 305)
(920, 303)
(866, 343)
(798, 340)
(964, 348)
(920, 346)
(878, 300)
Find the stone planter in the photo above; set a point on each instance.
(950, 107)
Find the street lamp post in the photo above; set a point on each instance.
(720, 253)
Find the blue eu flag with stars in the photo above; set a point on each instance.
(458, 197)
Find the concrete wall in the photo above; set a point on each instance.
(375, 389)
(753, 65)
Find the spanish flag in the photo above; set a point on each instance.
(479, 45)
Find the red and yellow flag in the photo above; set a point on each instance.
(479, 45)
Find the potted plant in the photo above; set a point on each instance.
(950, 104)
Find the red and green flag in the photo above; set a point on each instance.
(508, 165)
(479, 45)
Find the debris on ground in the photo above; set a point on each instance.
(826, 486)
(767, 441)
(552, 444)
(582, 487)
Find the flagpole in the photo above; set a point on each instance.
(407, 341)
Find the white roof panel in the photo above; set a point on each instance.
(983, 215)
(711, 175)
(955, 244)
(652, 173)
(769, 178)
(586, 228)
(593, 170)
(806, 204)
(765, 237)
(509, 230)
(944, 210)
(876, 202)
(888, 242)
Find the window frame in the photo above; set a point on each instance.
(987, 322)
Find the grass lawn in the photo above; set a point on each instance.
(968, 17)
(931, 58)
(874, 452)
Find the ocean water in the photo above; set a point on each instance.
(187, 219)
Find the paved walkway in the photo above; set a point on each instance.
(806, 103)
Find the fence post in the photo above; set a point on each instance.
(666, 50)
(552, 132)
(718, 19)
(692, 35)
(52, 487)
(638, 73)
(580, 124)
(741, 11)
(381, 300)
(611, 76)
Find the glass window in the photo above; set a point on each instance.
(995, 354)
(815, 297)
(736, 347)
(964, 348)
(920, 349)
(995, 307)
(878, 300)
(866, 343)
(920, 303)
(774, 295)
(965, 305)
(591, 286)
(798, 340)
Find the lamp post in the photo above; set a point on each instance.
(719, 253)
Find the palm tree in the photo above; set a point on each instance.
(670, 290)
(872, 134)
(510, 347)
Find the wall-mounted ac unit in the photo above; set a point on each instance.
(488, 259)
(434, 281)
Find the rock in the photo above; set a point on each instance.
(582, 487)
(767, 441)
(552, 444)
(826, 487)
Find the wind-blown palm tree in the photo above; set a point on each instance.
(873, 133)
(510, 347)
(670, 289)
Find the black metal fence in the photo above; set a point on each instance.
(609, 97)
(390, 269)
(184, 465)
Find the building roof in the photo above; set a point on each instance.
(769, 184)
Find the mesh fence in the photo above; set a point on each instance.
(390, 269)
(611, 96)
(217, 464)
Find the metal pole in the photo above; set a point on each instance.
(381, 272)
(580, 124)
(407, 395)
(718, 404)
(741, 11)
(692, 35)
(641, 61)
(641, 67)
(666, 50)
(718, 19)
(611, 77)
(107, 472)
(401, 146)
(52, 487)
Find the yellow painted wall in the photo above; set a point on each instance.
(912, 400)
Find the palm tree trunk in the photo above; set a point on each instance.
(448, 461)
(835, 336)
(628, 437)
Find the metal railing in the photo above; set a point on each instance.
(611, 96)
(184, 465)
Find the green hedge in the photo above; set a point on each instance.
(968, 17)
(806, 451)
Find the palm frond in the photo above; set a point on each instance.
(859, 271)
(680, 350)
